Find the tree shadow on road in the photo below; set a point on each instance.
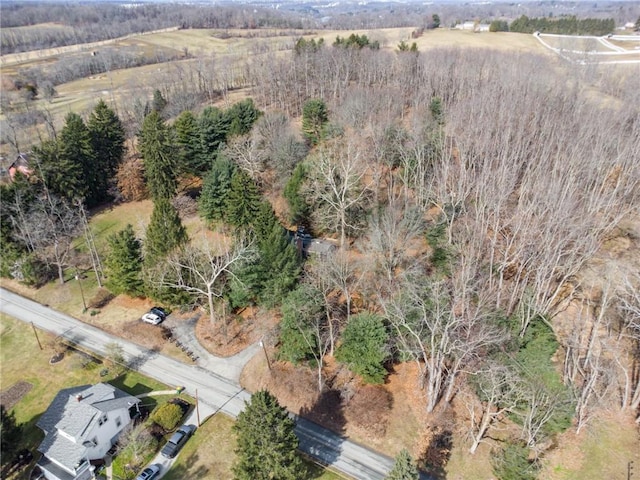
(135, 363)
(327, 412)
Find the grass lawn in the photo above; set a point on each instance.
(209, 454)
(602, 450)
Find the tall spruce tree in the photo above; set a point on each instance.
(159, 103)
(190, 160)
(314, 119)
(243, 201)
(267, 442)
(404, 467)
(279, 266)
(242, 116)
(214, 126)
(164, 233)
(159, 156)
(10, 434)
(107, 140)
(124, 263)
(75, 150)
(274, 271)
(298, 207)
(216, 188)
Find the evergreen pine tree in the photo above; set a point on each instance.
(298, 207)
(264, 220)
(190, 159)
(314, 119)
(267, 443)
(404, 467)
(124, 263)
(301, 309)
(364, 347)
(107, 140)
(242, 116)
(243, 200)
(159, 103)
(214, 126)
(273, 272)
(10, 435)
(279, 265)
(159, 156)
(216, 188)
(75, 149)
(512, 463)
(164, 233)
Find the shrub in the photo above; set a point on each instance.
(167, 416)
(364, 347)
(512, 463)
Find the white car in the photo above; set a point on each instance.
(149, 473)
(151, 318)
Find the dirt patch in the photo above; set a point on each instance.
(240, 330)
(13, 394)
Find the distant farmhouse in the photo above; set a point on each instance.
(81, 425)
(472, 26)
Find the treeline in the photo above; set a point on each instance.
(84, 23)
(74, 66)
(566, 25)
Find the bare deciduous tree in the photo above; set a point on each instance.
(627, 348)
(498, 393)
(338, 186)
(202, 270)
(50, 226)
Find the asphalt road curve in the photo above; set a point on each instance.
(215, 392)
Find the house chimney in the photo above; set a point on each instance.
(79, 397)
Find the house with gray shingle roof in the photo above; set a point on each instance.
(81, 425)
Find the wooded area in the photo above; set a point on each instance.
(465, 192)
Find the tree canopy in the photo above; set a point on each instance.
(267, 445)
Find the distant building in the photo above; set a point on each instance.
(80, 426)
(472, 26)
(20, 164)
(309, 246)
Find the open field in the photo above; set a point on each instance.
(592, 50)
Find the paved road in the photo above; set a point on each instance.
(215, 392)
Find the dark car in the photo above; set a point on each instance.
(177, 441)
(149, 473)
(159, 311)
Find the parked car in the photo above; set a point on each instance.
(177, 441)
(151, 318)
(159, 311)
(149, 473)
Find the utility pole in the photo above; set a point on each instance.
(84, 304)
(265, 354)
(36, 334)
(197, 408)
(629, 470)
